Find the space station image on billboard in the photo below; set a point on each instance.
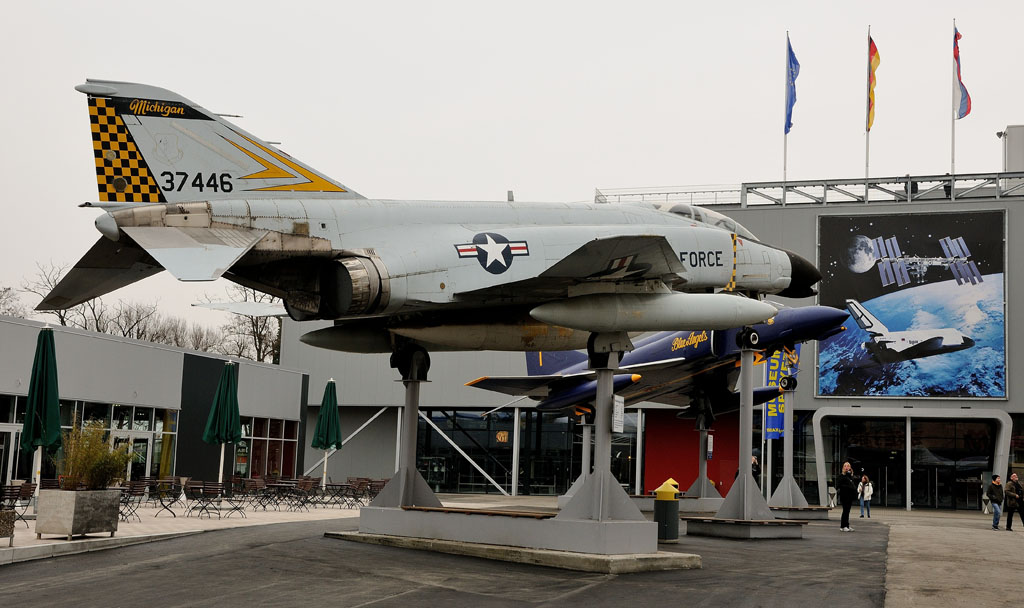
(925, 297)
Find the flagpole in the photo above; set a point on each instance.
(952, 115)
(785, 132)
(867, 121)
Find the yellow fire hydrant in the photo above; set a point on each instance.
(666, 510)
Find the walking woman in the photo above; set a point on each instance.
(864, 492)
(847, 486)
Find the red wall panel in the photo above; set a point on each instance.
(670, 450)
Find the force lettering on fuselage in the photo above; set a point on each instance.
(697, 259)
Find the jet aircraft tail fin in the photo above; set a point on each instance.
(551, 362)
(865, 319)
(154, 146)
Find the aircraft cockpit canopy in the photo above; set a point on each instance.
(712, 218)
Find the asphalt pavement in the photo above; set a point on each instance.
(894, 559)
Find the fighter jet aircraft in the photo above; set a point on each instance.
(686, 369)
(894, 346)
(184, 190)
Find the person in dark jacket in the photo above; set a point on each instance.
(1013, 501)
(995, 497)
(846, 485)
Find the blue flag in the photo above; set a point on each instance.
(792, 71)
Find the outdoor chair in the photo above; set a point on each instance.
(198, 501)
(131, 500)
(301, 496)
(218, 495)
(376, 485)
(10, 500)
(49, 484)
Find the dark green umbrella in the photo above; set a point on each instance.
(223, 425)
(327, 434)
(42, 414)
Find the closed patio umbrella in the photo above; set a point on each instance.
(223, 425)
(42, 414)
(327, 434)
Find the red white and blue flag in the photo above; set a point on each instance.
(961, 98)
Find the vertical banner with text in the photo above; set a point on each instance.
(782, 363)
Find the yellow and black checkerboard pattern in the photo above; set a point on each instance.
(731, 285)
(121, 172)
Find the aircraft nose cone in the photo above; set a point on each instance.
(802, 279)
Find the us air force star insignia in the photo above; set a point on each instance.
(493, 251)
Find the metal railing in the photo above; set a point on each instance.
(908, 188)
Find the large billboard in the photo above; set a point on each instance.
(926, 304)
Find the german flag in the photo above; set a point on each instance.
(873, 61)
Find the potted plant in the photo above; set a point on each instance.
(87, 466)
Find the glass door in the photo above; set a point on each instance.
(138, 444)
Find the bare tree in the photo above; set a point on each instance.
(203, 338)
(42, 283)
(10, 303)
(249, 336)
(134, 320)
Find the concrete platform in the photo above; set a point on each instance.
(566, 560)
(611, 537)
(743, 529)
(800, 513)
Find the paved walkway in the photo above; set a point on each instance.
(952, 558)
(152, 524)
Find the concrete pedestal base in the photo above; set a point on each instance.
(800, 513)
(744, 529)
(609, 537)
(604, 564)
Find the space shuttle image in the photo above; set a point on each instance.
(894, 346)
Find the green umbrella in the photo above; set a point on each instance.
(327, 434)
(223, 425)
(42, 415)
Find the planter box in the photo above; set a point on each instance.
(76, 513)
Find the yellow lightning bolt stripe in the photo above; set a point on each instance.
(315, 183)
(270, 170)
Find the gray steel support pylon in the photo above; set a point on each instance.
(584, 464)
(702, 486)
(407, 487)
(788, 494)
(600, 497)
(744, 500)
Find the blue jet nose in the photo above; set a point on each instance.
(819, 320)
(810, 322)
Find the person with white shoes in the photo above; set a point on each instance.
(864, 492)
(995, 497)
(847, 486)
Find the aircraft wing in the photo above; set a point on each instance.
(248, 309)
(195, 254)
(619, 257)
(604, 259)
(530, 386)
(107, 266)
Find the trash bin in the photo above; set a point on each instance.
(666, 510)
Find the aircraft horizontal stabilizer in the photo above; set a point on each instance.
(530, 386)
(106, 267)
(248, 309)
(195, 254)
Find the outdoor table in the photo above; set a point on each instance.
(280, 491)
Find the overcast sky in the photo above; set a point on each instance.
(446, 100)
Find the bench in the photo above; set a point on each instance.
(489, 512)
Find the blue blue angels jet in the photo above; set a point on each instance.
(695, 370)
